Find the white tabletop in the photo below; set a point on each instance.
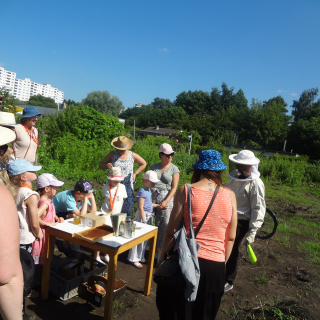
(141, 229)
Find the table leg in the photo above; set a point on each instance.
(152, 248)
(49, 246)
(94, 256)
(112, 268)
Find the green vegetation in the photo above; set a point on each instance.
(102, 101)
(262, 278)
(312, 249)
(225, 116)
(7, 103)
(41, 101)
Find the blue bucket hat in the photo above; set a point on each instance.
(30, 111)
(210, 160)
(21, 166)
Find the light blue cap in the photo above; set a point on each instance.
(21, 166)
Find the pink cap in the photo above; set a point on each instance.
(151, 176)
(47, 180)
(166, 148)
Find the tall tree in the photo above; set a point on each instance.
(305, 103)
(194, 102)
(104, 102)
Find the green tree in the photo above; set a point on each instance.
(41, 101)
(161, 103)
(194, 102)
(102, 101)
(305, 104)
(304, 137)
(268, 123)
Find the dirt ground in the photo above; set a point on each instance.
(283, 284)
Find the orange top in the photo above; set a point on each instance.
(211, 236)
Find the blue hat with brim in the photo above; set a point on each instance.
(21, 166)
(210, 160)
(30, 111)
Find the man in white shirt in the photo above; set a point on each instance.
(251, 206)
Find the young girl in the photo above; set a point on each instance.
(144, 214)
(47, 185)
(114, 194)
(22, 173)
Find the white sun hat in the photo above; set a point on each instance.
(115, 174)
(245, 157)
(6, 135)
(7, 119)
(151, 176)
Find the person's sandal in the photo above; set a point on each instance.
(137, 265)
(33, 294)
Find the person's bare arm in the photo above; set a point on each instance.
(42, 210)
(232, 228)
(32, 206)
(174, 223)
(11, 277)
(106, 162)
(92, 207)
(142, 164)
(174, 186)
(141, 211)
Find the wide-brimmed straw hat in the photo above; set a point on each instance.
(6, 135)
(245, 157)
(7, 119)
(115, 174)
(210, 160)
(122, 143)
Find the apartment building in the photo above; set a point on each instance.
(7, 79)
(23, 89)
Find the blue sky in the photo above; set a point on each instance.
(139, 50)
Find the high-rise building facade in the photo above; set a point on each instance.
(23, 89)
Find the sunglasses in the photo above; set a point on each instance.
(169, 155)
(3, 149)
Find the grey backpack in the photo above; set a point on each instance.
(188, 251)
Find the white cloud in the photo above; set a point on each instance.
(164, 49)
(294, 94)
(281, 91)
(1, 64)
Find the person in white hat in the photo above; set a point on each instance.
(47, 186)
(251, 206)
(144, 214)
(114, 194)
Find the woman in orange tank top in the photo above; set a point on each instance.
(216, 238)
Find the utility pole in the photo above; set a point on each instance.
(190, 137)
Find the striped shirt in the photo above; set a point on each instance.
(211, 236)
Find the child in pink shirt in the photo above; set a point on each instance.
(47, 185)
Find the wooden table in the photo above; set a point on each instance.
(112, 246)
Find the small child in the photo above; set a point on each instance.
(144, 214)
(114, 192)
(76, 202)
(47, 185)
(22, 172)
